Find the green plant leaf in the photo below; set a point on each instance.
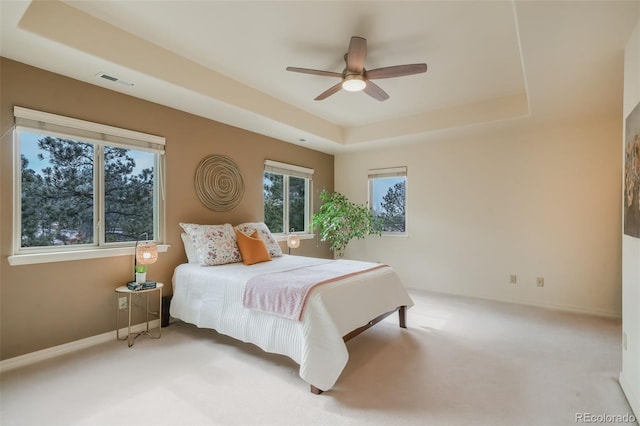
(339, 220)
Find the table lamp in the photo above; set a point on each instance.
(146, 253)
(293, 241)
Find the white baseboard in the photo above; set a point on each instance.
(632, 398)
(581, 310)
(554, 306)
(33, 357)
(564, 307)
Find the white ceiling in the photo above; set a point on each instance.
(491, 63)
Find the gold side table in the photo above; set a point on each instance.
(131, 337)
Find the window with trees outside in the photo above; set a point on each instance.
(388, 198)
(287, 192)
(82, 185)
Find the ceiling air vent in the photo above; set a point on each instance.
(114, 79)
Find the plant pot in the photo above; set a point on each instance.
(141, 277)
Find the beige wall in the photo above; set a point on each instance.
(55, 303)
(630, 375)
(535, 201)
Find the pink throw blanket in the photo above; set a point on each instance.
(285, 293)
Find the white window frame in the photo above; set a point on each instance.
(99, 135)
(400, 171)
(288, 170)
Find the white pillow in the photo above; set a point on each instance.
(269, 240)
(189, 249)
(214, 244)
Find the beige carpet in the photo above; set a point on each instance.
(461, 362)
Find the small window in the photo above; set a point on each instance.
(388, 198)
(83, 185)
(287, 192)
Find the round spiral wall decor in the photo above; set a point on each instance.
(219, 183)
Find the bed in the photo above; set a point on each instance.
(333, 312)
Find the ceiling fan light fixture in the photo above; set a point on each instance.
(354, 83)
(355, 77)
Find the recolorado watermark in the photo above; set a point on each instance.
(605, 418)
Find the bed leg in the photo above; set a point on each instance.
(315, 390)
(402, 314)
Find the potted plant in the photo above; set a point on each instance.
(339, 220)
(141, 274)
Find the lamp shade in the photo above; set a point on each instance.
(293, 241)
(146, 253)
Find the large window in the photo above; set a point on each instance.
(388, 198)
(83, 185)
(287, 191)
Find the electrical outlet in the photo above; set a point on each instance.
(540, 282)
(122, 303)
(513, 279)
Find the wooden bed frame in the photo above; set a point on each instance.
(402, 316)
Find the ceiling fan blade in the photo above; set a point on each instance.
(330, 91)
(356, 54)
(396, 71)
(315, 72)
(375, 91)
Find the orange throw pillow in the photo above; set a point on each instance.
(252, 248)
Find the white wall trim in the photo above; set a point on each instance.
(40, 119)
(572, 308)
(63, 256)
(632, 398)
(33, 357)
(554, 306)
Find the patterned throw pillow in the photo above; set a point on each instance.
(215, 244)
(265, 234)
(189, 248)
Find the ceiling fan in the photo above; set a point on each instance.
(355, 77)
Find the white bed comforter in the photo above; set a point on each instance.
(211, 297)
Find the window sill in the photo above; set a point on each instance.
(283, 237)
(395, 234)
(63, 256)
